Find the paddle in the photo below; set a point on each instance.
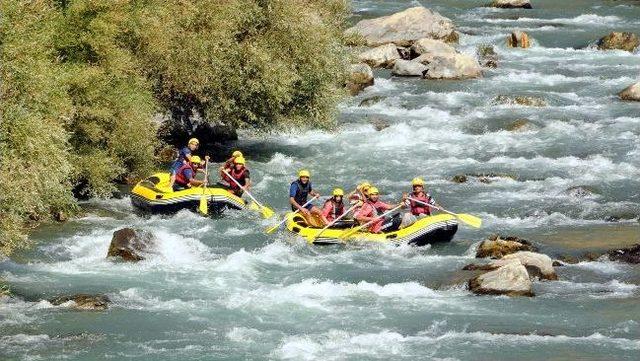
(204, 201)
(350, 232)
(274, 228)
(266, 211)
(473, 221)
(310, 238)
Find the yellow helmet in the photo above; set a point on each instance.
(338, 192)
(373, 190)
(239, 160)
(194, 141)
(236, 154)
(195, 159)
(304, 173)
(417, 182)
(363, 186)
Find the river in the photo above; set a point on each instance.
(223, 289)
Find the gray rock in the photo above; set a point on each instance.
(537, 264)
(580, 191)
(83, 302)
(432, 47)
(457, 66)
(511, 279)
(408, 68)
(527, 101)
(405, 27)
(511, 4)
(498, 247)
(619, 41)
(383, 56)
(131, 245)
(360, 77)
(487, 56)
(632, 93)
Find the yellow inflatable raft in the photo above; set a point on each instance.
(432, 229)
(153, 195)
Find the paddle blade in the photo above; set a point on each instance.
(473, 221)
(273, 229)
(204, 205)
(267, 212)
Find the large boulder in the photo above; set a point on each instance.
(498, 247)
(632, 92)
(83, 302)
(518, 39)
(619, 41)
(457, 66)
(360, 77)
(628, 255)
(537, 264)
(405, 27)
(408, 68)
(130, 245)
(383, 56)
(511, 4)
(511, 279)
(431, 47)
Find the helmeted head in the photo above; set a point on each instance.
(373, 193)
(236, 154)
(194, 143)
(239, 162)
(195, 161)
(304, 176)
(338, 194)
(417, 184)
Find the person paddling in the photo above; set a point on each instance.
(417, 210)
(371, 209)
(333, 207)
(184, 157)
(186, 175)
(299, 191)
(240, 173)
(229, 162)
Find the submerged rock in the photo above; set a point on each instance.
(383, 56)
(84, 302)
(527, 101)
(360, 77)
(628, 255)
(371, 100)
(379, 124)
(520, 125)
(632, 93)
(580, 191)
(130, 245)
(619, 41)
(456, 66)
(405, 27)
(511, 279)
(487, 56)
(408, 68)
(459, 178)
(498, 247)
(511, 4)
(518, 39)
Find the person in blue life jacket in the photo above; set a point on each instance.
(184, 157)
(186, 175)
(299, 192)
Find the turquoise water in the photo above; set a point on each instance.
(224, 290)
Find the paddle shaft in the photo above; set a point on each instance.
(432, 206)
(374, 220)
(334, 221)
(296, 211)
(246, 191)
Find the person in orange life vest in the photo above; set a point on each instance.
(240, 173)
(229, 162)
(184, 157)
(372, 209)
(186, 175)
(333, 207)
(417, 210)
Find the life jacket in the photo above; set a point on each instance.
(302, 193)
(336, 209)
(238, 175)
(417, 208)
(181, 179)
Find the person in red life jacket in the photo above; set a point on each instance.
(186, 175)
(372, 209)
(299, 192)
(229, 162)
(240, 173)
(359, 194)
(333, 207)
(184, 157)
(417, 210)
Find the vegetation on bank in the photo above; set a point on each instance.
(81, 81)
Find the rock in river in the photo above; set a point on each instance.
(487, 56)
(408, 68)
(83, 302)
(628, 255)
(360, 77)
(458, 66)
(383, 56)
(511, 4)
(632, 92)
(526, 101)
(511, 279)
(405, 27)
(619, 41)
(426, 49)
(518, 39)
(130, 245)
(498, 247)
